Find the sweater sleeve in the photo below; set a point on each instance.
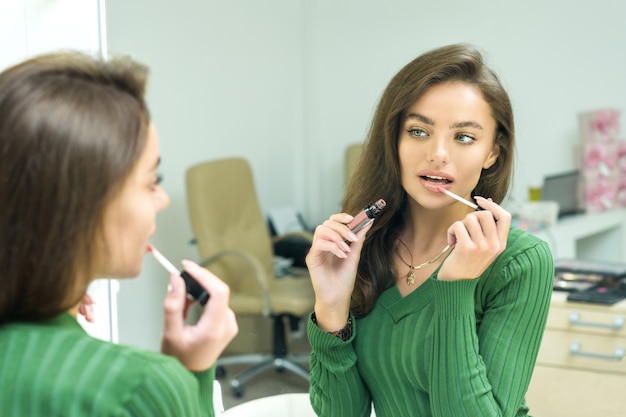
(336, 388)
(168, 389)
(485, 368)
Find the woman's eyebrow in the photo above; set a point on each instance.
(421, 118)
(470, 123)
(457, 125)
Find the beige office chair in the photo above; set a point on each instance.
(233, 240)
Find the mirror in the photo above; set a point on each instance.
(291, 84)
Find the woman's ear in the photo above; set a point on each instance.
(492, 157)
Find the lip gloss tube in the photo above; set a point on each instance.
(194, 290)
(366, 216)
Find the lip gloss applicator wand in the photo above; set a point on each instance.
(461, 199)
(194, 290)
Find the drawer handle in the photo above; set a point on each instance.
(618, 322)
(618, 355)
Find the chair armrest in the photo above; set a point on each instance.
(256, 267)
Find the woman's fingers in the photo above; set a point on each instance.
(332, 262)
(199, 345)
(335, 237)
(174, 306)
(85, 308)
(478, 238)
(502, 217)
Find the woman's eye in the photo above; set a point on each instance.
(159, 179)
(418, 133)
(465, 138)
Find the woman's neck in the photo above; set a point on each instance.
(426, 230)
(73, 312)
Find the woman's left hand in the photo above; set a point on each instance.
(198, 346)
(479, 238)
(85, 308)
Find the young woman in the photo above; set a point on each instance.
(80, 193)
(440, 309)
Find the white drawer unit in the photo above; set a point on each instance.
(581, 367)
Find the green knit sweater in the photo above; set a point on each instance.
(54, 368)
(448, 349)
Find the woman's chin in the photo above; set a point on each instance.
(133, 272)
(122, 273)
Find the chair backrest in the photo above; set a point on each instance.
(352, 157)
(225, 216)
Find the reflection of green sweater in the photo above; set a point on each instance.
(55, 368)
(448, 349)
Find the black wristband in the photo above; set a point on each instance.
(344, 334)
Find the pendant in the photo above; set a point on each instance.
(410, 278)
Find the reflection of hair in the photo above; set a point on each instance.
(450, 63)
(71, 130)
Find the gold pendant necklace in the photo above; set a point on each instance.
(410, 276)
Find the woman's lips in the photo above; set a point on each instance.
(434, 183)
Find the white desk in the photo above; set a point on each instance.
(596, 236)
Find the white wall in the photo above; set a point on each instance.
(30, 27)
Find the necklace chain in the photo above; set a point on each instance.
(410, 276)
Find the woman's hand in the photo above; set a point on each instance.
(479, 238)
(85, 308)
(198, 346)
(332, 264)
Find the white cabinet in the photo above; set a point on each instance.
(581, 368)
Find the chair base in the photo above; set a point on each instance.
(279, 359)
(263, 362)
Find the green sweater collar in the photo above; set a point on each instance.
(399, 307)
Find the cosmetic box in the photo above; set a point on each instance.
(588, 270)
(590, 281)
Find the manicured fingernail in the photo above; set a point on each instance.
(187, 264)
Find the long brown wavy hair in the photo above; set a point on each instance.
(377, 175)
(71, 130)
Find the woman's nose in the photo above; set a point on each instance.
(438, 151)
(162, 200)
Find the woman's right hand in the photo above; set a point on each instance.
(198, 346)
(332, 264)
